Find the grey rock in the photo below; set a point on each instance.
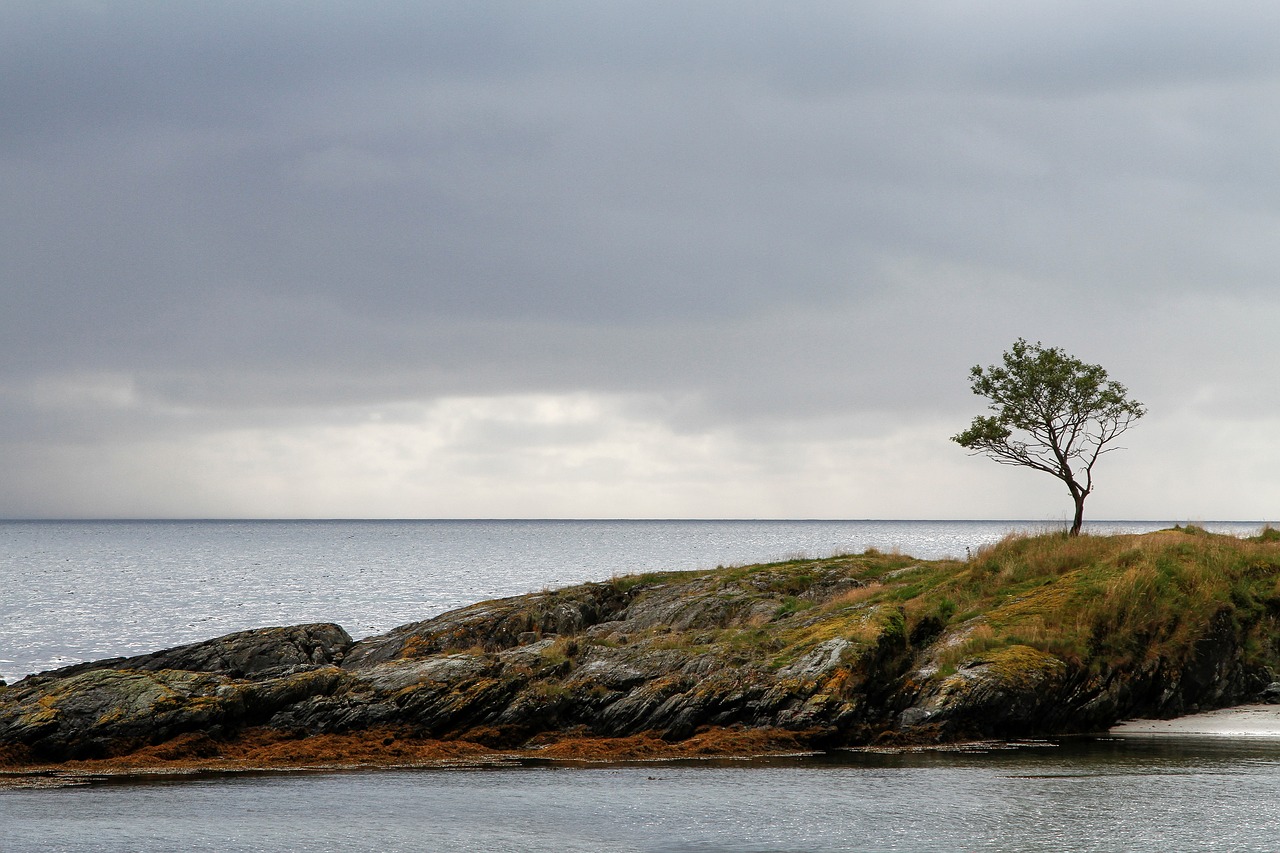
(708, 649)
(255, 652)
(824, 657)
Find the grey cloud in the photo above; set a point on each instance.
(270, 213)
(83, 66)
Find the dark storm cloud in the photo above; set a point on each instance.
(258, 214)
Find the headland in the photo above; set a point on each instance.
(1036, 636)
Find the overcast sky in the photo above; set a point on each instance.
(651, 259)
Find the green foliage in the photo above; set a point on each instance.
(791, 604)
(627, 583)
(1052, 413)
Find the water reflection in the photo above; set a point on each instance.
(1077, 794)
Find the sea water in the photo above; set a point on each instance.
(82, 590)
(1099, 795)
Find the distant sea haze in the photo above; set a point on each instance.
(84, 590)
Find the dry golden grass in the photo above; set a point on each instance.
(857, 595)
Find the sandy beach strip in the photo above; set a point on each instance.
(1241, 721)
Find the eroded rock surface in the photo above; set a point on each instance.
(845, 650)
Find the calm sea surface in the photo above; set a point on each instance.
(75, 591)
(1076, 796)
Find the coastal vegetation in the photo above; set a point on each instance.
(1036, 635)
(1053, 413)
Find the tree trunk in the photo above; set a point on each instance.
(1078, 496)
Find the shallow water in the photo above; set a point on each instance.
(1139, 795)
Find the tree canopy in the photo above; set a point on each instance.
(1052, 412)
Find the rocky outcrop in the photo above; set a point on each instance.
(220, 685)
(846, 650)
(244, 653)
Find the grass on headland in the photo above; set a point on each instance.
(1095, 603)
(1100, 602)
(1108, 601)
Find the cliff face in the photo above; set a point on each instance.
(1037, 636)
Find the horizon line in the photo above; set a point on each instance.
(549, 519)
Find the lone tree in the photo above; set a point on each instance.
(1053, 413)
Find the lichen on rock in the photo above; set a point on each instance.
(1037, 636)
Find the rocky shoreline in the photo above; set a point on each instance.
(803, 655)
